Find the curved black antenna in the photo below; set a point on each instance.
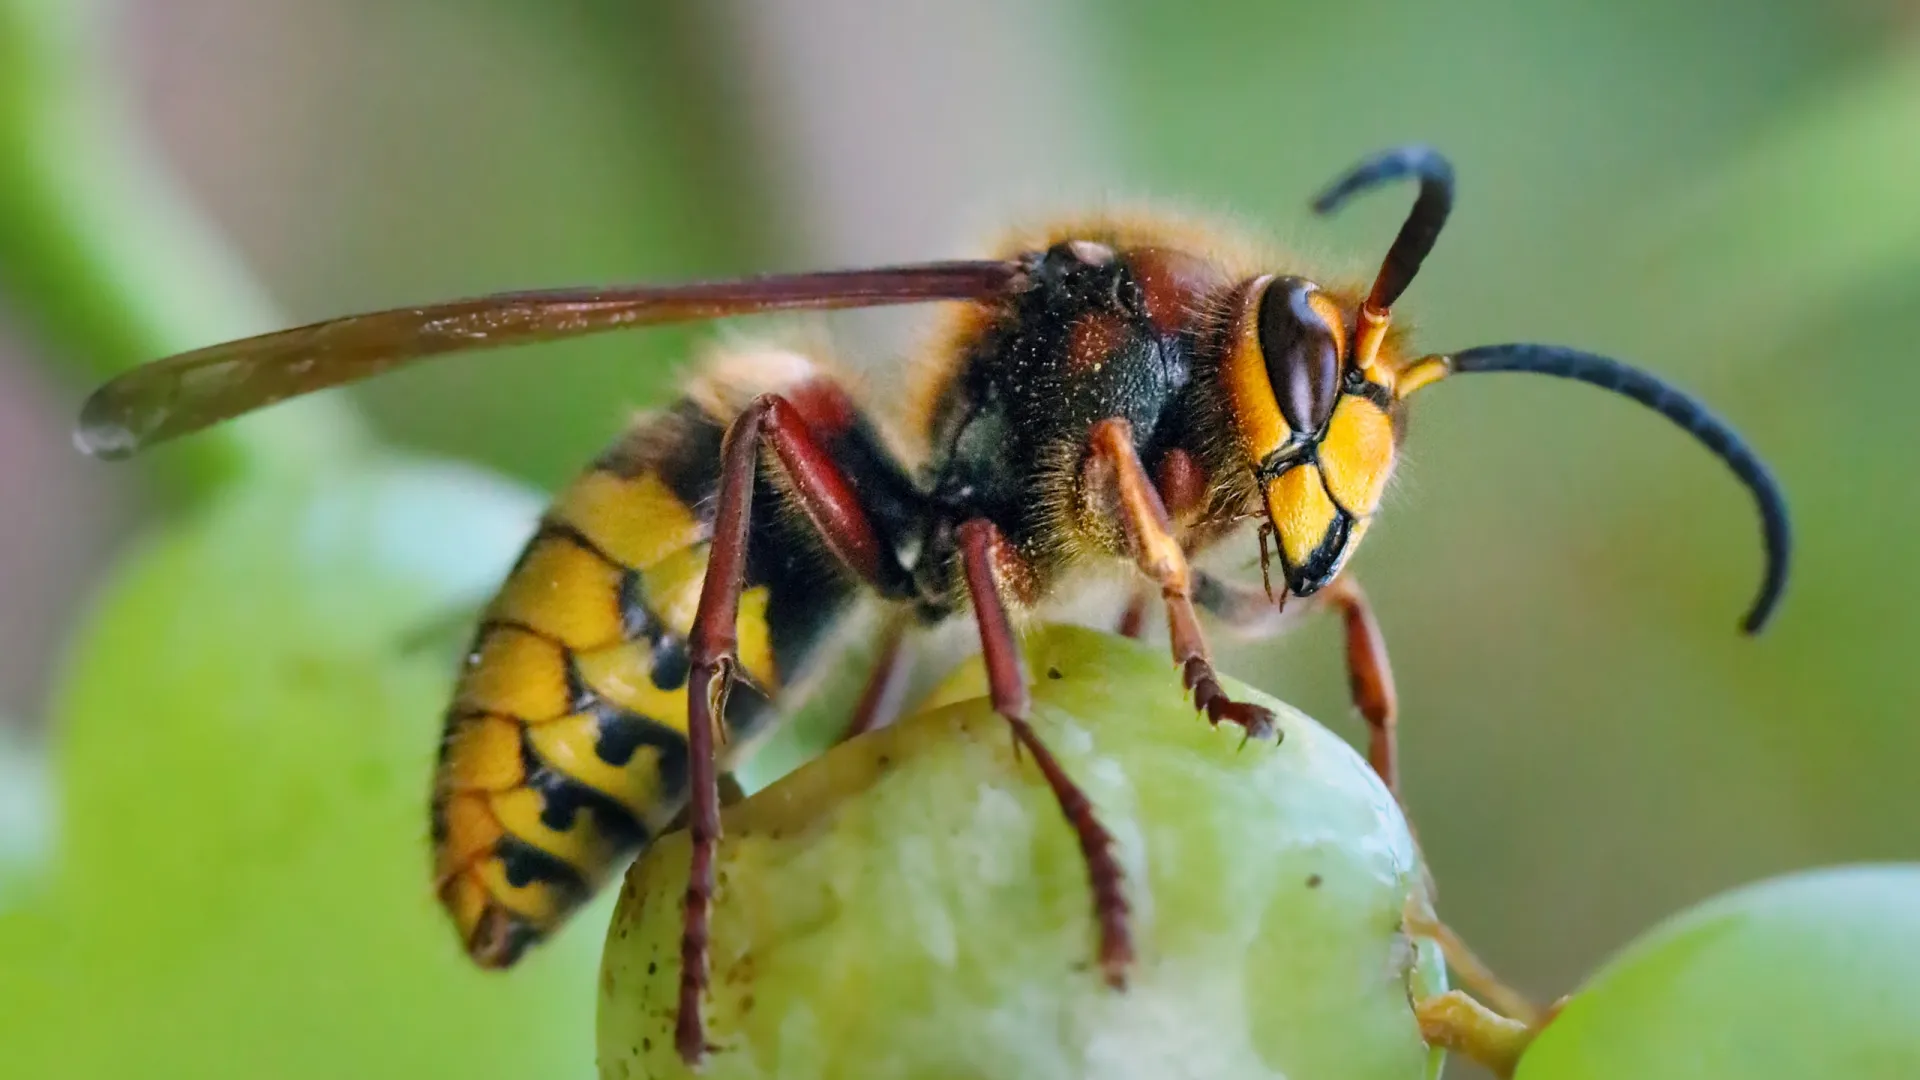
(1693, 417)
(1422, 228)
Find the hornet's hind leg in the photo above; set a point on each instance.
(821, 488)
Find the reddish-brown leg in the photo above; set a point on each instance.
(1369, 675)
(880, 701)
(1150, 532)
(1370, 678)
(981, 548)
(818, 487)
(1133, 621)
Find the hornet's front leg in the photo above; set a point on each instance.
(1149, 532)
(1369, 676)
(1449, 1020)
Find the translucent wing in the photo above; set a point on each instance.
(192, 390)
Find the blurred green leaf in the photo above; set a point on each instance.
(1811, 976)
(104, 256)
(618, 151)
(1820, 207)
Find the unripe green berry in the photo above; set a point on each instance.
(912, 904)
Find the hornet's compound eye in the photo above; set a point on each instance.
(1300, 332)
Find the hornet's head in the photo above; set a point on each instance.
(1317, 393)
(1320, 430)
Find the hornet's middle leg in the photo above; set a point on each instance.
(982, 548)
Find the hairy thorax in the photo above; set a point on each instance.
(1097, 332)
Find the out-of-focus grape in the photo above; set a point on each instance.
(247, 731)
(1811, 976)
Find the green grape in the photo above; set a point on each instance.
(912, 904)
(247, 732)
(1813, 975)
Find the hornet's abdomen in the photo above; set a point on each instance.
(565, 749)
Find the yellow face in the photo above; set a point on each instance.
(1317, 428)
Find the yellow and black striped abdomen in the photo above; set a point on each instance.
(565, 748)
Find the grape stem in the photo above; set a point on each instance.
(1455, 1022)
(1420, 921)
(1460, 1025)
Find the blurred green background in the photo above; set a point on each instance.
(1723, 192)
